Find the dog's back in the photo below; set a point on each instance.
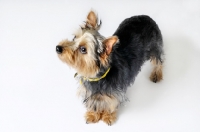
(139, 40)
(140, 32)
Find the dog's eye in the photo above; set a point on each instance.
(74, 38)
(82, 49)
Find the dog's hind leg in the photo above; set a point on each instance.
(156, 57)
(157, 74)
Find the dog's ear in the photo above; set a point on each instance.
(109, 43)
(92, 20)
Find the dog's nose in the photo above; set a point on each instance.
(59, 49)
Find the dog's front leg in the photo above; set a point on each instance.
(109, 118)
(92, 117)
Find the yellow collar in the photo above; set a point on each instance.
(93, 79)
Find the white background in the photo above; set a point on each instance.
(38, 91)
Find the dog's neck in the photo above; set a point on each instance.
(93, 79)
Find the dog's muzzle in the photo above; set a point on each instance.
(59, 49)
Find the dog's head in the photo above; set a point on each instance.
(88, 50)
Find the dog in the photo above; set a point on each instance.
(107, 66)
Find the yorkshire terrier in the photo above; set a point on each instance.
(107, 66)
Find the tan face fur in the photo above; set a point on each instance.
(81, 52)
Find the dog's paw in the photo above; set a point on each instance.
(156, 76)
(92, 117)
(109, 118)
